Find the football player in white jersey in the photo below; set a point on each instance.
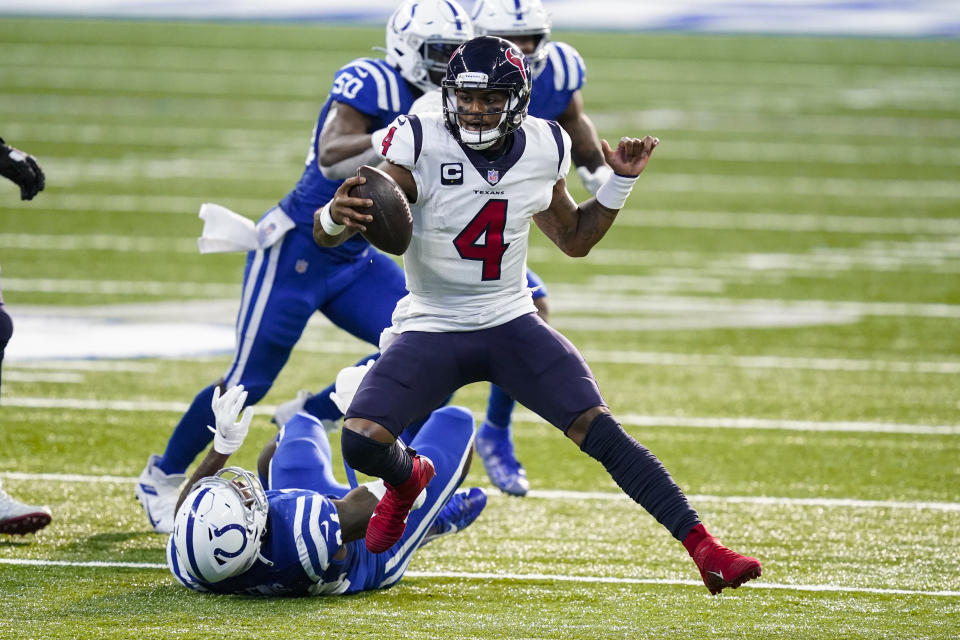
(21, 169)
(476, 176)
(302, 535)
(558, 75)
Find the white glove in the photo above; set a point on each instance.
(593, 180)
(348, 381)
(229, 434)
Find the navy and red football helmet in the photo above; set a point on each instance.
(493, 63)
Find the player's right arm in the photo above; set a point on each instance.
(343, 216)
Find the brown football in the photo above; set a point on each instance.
(392, 224)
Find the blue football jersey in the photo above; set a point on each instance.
(303, 534)
(372, 87)
(563, 74)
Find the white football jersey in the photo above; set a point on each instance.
(466, 264)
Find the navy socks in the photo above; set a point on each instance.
(640, 474)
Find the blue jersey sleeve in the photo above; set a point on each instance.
(371, 87)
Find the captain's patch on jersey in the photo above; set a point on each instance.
(451, 173)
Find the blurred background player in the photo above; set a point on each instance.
(22, 169)
(303, 535)
(353, 285)
(559, 73)
(469, 316)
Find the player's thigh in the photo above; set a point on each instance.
(543, 370)
(412, 377)
(365, 306)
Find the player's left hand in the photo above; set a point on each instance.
(348, 381)
(631, 155)
(230, 432)
(22, 169)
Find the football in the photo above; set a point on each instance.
(392, 224)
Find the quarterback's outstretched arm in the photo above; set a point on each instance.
(575, 229)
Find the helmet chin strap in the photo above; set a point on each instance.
(475, 139)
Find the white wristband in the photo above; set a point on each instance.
(326, 221)
(593, 180)
(613, 193)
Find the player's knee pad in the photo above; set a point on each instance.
(391, 461)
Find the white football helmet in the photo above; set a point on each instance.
(218, 529)
(421, 37)
(510, 18)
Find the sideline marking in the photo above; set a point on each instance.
(531, 577)
(561, 494)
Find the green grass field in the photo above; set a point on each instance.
(776, 314)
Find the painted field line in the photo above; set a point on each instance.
(768, 362)
(638, 420)
(578, 496)
(96, 242)
(705, 219)
(782, 221)
(756, 121)
(84, 365)
(629, 419)
(841, 503)
(49, 377)
(526, 577)
(575, 298)
(67, 477)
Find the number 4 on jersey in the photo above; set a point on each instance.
(488, 223)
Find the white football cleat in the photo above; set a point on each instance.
(18, 518)
(158, 493)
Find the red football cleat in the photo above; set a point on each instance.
(721, 567)
(389, 517)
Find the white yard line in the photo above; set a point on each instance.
(768, 362)
(527, 577)
(578, 496)
(84, 365)
(784, 221)
(636, 216)
(629, 419)
(50, 377)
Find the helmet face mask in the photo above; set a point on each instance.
(484, 67)
(515, 20)
(422, 35)
(219, 527)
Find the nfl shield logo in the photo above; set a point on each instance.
(493, 176)
(301, 266)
